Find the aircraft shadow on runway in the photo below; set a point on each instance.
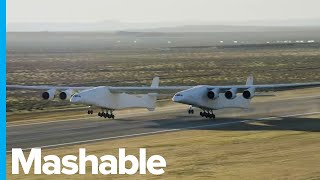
(225, 124)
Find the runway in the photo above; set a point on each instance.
(92, 129)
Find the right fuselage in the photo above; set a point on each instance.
(199, 97)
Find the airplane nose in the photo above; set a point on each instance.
(176, 98)
(72, 99)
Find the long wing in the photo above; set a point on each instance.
(47, 87)
(156, 88)
(258, 88)
(111, 88)
(148, 89)
(153, 88)
(268, 87)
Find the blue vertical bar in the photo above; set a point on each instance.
(3, 90)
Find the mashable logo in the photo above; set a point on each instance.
(71, 164)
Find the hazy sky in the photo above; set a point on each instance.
(159, 10)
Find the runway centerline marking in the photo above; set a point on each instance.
(170, 130)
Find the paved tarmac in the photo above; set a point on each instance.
(92, 129)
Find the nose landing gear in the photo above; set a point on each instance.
(190, 111)
(90, 111)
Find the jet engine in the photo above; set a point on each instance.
(213, 94)
(231, 93)
(249, 93)
(49, 95)
(65, 95)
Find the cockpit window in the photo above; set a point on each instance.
(179, 95)
(77, 95)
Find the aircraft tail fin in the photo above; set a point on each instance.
(151, 99)
(249, 80)
(155, 82)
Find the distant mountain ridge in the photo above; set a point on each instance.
(235, 28)
(256, 26)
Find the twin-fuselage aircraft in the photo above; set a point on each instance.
(205, 97)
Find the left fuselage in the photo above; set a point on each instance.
(102, 97)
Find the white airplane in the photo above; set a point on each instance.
(209, 98)
(205, 97)
(107, 98)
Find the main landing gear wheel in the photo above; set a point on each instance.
(106, 114)
(208, 114)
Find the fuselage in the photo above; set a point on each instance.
(102, 97)
(198, 97)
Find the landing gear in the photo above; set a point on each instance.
(190, 111)
(106, 113)
(90, 111)
(208, 114)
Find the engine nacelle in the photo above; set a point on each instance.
(231, 93)
(249, 93)
(49, 95)
(66, 95)
(213, 94)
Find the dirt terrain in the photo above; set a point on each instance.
(136, 65)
